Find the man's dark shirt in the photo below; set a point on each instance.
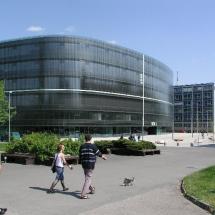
(87, 155)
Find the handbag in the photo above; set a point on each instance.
(53, 168)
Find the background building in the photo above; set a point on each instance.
(194, 108)
(71, 84)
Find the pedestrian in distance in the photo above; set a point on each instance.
(87, 155)
(121, 137)
(2, 210)
(203, 134)
(59, 162)
(135, 138)
(131, 137)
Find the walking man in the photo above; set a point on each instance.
(87, 154)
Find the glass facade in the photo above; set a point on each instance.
(71, 84)
(194, 107)
(158, 94)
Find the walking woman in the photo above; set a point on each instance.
(59, 162)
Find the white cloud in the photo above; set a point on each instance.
(35, 28)
(112, 42)
(70, 29)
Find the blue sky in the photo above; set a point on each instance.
(180, 33)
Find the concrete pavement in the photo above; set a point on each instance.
(156, 189)
(186, 139)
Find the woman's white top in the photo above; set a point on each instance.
(59, 161)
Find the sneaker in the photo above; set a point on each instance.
(65, 189)
(84, 197)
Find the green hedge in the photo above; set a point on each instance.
(42, 145)
(147, 145)
(124, 144)
(121, 143)
(3, 146)
(71, 146)
(103, 145)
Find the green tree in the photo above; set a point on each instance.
(4, 106)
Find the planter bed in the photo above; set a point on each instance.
(21, 158)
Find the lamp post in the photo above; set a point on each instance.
(213, 129)
(173, 116)
(213, 111)
(207, 122)
(142, 82)
(9, 133)
(197, 121)
(192, 114)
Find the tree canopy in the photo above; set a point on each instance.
(4, 115)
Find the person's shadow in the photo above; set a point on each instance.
(75, 194)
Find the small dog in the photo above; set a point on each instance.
(128, 181)
(3, 210)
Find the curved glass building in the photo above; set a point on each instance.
(71, 84)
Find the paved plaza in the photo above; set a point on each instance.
(156, 189)
(183, 139)
(171, 139)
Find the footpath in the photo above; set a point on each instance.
(156, 189)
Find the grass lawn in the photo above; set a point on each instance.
(201, 185)
(3, 146)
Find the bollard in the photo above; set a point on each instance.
(5, 159)
(177, 143)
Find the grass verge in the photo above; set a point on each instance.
(201, 185)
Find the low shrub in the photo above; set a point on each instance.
(3, 146)
(135, 146)
(103, 145)
(124, 144)
(71, 146)
(42, 145)
(147, 145)
(81, 139)
(121, 143)
(18, 146)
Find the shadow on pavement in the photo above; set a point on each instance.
(208, 145)
(74, 193)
